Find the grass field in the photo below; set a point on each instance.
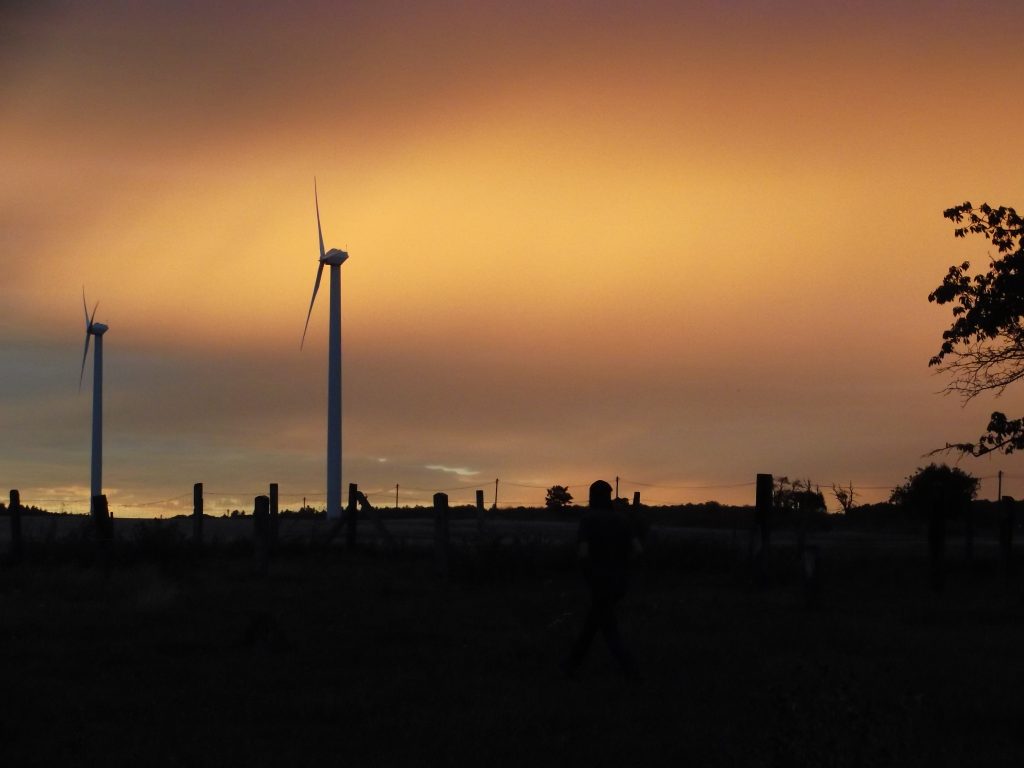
(360, 658)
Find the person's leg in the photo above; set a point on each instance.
(610, 630)
(591, 624)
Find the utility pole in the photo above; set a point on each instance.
(999, 493)
(396, 495)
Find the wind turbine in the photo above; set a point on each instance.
(333, 258)
(93, 328)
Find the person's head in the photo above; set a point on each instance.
(600, 495)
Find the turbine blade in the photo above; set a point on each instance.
(85, 308)
(316, 287)
(94, 313)
(85, 354)
(318, 230)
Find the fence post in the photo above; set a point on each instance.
(763, 507)
(261, 532)
(479, 511)
(636, 498)
(1006, 523)
(351, 515)
(272, 531)
(101, 517)
(762, 519)
(14, 508)
(441, 533)
(103, 527)
(197, 515)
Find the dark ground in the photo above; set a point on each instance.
(359, 658)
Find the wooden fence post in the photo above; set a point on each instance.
(441, 533)
(104, 529)
(197, 515)
(480, 512)
(1006, 523)
(261, 532)
(351, 516)
(14, 509)
(764, 491)
(763, 507)
(273, 527)
(101, 517)
(636, 498)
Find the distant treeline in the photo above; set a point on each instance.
(712, 514)
(31, 511)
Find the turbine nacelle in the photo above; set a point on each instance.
(334, 256)
(92, 328)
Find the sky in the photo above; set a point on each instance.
(675, 243)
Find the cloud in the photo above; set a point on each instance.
(460, 471)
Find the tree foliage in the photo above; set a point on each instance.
(558, 496)
(983, 349)
(794, 495)
(935, 484)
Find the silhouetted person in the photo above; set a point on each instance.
(606, 543)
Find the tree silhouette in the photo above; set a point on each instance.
(938, 492)
(983, 349)
(845, 496)
(934, 484)
(558, 496)
(793, 495)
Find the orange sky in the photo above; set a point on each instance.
(682, 243)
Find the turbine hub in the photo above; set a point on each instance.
(98, 329)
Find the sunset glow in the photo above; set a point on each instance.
(675, 243)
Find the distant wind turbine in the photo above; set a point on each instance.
(93, 328)
(334, 258)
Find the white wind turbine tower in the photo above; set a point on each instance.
(334, 258)
(93, 328)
